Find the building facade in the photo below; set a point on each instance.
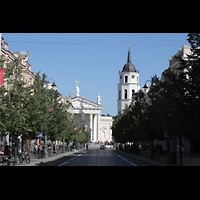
(27, 75)
(128, 84)
(174, 63)
(88, 115)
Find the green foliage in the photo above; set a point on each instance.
(174, 104)
(26, 110)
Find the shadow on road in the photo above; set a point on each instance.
(57, 161)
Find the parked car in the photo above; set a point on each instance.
(102, 146)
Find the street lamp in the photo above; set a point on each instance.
(54, 86)
(146, 86)
(152, 155)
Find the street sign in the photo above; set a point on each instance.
(40, 135)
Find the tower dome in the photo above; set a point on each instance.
(129, 67)
(128, 84)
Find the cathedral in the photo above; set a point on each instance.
(88, 114)
(128, 84)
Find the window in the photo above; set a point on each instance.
(133, 92)
(126, 79)
(119, 94)
(125, 94)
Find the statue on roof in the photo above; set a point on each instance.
(99, 99)
(77, 91)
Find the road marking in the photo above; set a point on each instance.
(125, 159)
(132, 164)
(69, 160)
(122, 158)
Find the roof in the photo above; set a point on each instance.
(93, 105)
(129, 67)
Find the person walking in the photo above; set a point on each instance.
(35, 149)
(6, 149)
(183, 150)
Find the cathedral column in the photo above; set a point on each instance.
(90, 128)
(83, 119)
(98, 127)
(83, 116)
(95, 128)
(110, 132)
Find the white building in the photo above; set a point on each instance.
(174, 63)
(128, 84)
(88, 114)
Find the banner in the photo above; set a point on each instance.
(1, 76)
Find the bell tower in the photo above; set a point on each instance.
(128, 84)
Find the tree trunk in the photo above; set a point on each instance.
(180, 142)
(16, 149)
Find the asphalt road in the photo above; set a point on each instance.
(97, 157)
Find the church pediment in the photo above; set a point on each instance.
(82, 103)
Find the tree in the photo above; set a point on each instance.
(68, 133)
(38, 108)
(27, 111)
(128, 126)
(16, 99)
(190, 73)
(57, 116)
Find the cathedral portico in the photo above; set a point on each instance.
(88, 114)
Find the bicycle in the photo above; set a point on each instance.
(24, 156)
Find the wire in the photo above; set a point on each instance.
(46, 42)
(71, 43)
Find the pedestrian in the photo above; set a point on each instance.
(6, 149)
(140, 148)
(54, 148)
(35, 148)
(183, 150)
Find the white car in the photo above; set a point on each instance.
(107, 146)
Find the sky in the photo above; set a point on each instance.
(95, 59)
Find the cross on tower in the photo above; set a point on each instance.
(76, 82)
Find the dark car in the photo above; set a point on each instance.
(102, 146)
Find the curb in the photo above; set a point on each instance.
(44, 160)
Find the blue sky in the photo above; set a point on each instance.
(95, 59)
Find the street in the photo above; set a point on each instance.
(95, 156)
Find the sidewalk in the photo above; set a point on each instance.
(36, 161)
(192, 160)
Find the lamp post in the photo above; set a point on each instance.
(146, 86)
(54, 86)
(152, 155)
